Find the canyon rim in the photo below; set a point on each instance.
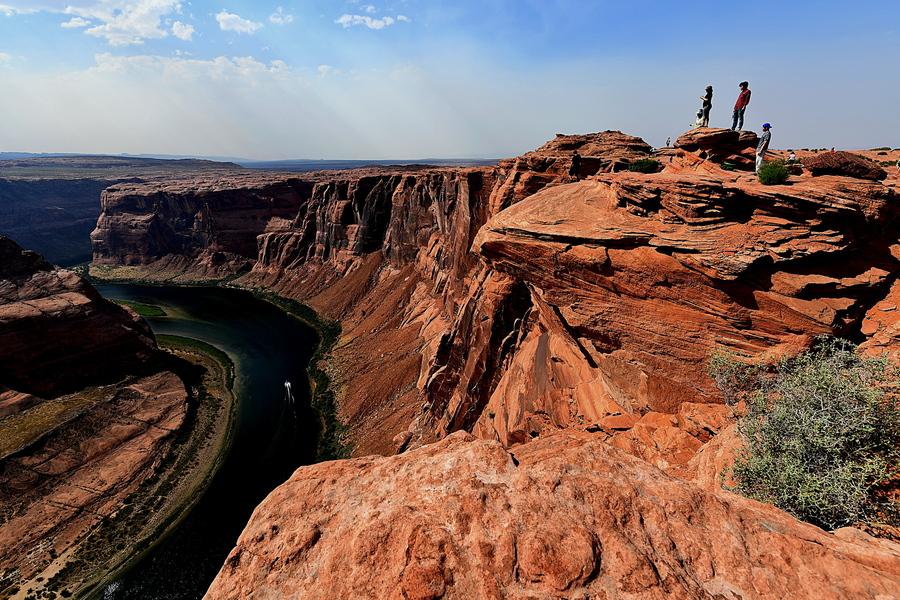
(423, 300)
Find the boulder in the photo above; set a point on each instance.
(720, 145)
(565, 516)
(846, 164)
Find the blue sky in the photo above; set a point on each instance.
(422, 78)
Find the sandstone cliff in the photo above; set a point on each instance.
(57, 334)
(51, 204)
(550, 291)
(554, 292)
(86, 416)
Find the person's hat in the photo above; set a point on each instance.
(767, 126)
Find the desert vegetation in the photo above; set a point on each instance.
(821, 433)
(645, 165)
(773, 173)
(144, 310)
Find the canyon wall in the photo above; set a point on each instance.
(519, 334)
(52, 216)
(51, 204)
(87, 414)
(553, 290)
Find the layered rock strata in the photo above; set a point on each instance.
(57, 334)
(87, 415)
(555, 291)
(550, 291)
(55, 491)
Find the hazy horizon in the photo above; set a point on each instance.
(412, 79)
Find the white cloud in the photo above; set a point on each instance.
(75, 23)
(369, 8)
(403, 19)
(121, 22)
(8, 11)
(4, 57)
(182, 31)
(353, 20)
(232, 22)
(279, 17)
(325, 70)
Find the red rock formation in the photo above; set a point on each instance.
(86, 416)
(216, 218)
(515, 301)
(720, 145)
(627, 283)
(847, 164)
(55, 491)
(57, 334)
(564, 516)
(582, 301)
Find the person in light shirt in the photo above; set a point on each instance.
(763, 146)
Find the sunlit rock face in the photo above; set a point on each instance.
(564, 516)
(554, 290)
(546, 323)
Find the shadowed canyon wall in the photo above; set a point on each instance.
(88, 412)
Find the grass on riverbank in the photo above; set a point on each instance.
(177, 342)
(21, 429)
(145, 310)
(332, 443)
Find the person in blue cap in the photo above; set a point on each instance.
(763, 145)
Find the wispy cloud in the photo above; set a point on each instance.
(183, 31)
(219, 68)
(279, 17)
(232, 22)
(8, 11)
(347, 20)
(75, 23)
(4, 57)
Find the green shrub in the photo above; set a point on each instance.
(821, 433)
(773, 173)
(645, 165)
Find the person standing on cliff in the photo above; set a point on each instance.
(575, 167)
(763, 146)
(707, 106)
(740, 106)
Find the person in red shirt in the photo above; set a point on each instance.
(740, 106)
